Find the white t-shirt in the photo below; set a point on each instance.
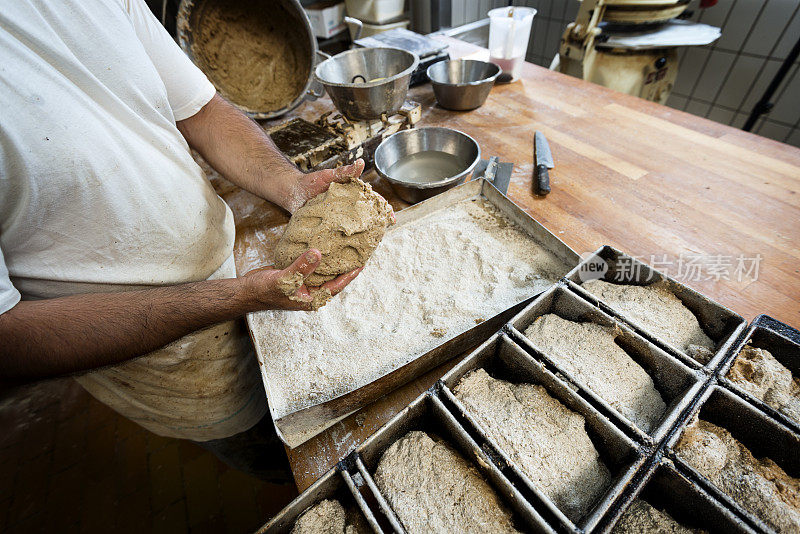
(99, 192)
(97, 185)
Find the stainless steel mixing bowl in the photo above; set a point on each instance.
(409, 142)
(462, 84)
(365, 83)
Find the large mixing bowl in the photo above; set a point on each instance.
(365, 83)
(462, 84)
(259, 54)
(423, 162)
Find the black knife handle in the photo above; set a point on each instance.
(542, 180)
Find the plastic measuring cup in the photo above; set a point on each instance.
(509, 32)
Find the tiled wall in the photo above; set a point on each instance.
(722, 81)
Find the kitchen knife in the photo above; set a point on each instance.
(544, 161)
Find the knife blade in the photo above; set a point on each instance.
(544, 161)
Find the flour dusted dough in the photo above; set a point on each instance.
(345, 224)
(587, 351)
(640, 517)
(656, 309)
(547, 440)
(758, 485)
(433, 489)
(760, 374)
(326, 517)
(329, 517)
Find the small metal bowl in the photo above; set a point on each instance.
(464, 155)
(365, 83)
(462, 84)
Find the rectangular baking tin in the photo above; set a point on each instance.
(676, 382)
(335, 484)
(427, 413)
(297, 427)
(762, 435)
(667, 489)
(719, 323)
(771, 335)
(503, 359)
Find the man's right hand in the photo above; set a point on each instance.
(268, 285)
(51, 337)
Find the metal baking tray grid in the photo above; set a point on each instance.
(676, 382)
(428, 414)
(666, 488)
(783, 342)
(719, 323)
(503, 359)
(760, 433)
(644, 466)
(335, 484)
(650, 471)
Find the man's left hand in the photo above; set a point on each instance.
(312, 184)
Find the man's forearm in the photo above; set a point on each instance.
(64, 335)
(44, 338)
(241, 151)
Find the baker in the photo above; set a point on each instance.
(115, 252)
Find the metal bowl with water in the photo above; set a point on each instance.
(365, 83)
(462, 84)
(424, 162)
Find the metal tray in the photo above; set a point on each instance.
(428, 414)
(672, 491)
(761, 434)
(783, 342)
(504, 359)
(299, 426)
(722, 325)
(676, 382)
(335, 484)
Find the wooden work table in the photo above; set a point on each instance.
(645, 178)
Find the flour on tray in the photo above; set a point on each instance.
(428, 281)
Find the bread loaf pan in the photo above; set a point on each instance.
(669, 490)
(719, 323)
(503, 359)
(761, 434)
(676, 382)
(783, 342)
(427, 414)
(335, 484)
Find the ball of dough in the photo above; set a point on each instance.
(345, 224)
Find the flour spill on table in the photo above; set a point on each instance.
(428, 281)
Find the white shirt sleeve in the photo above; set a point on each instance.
(188, 89)
(9, 296)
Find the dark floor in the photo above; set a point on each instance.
(70, 464)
